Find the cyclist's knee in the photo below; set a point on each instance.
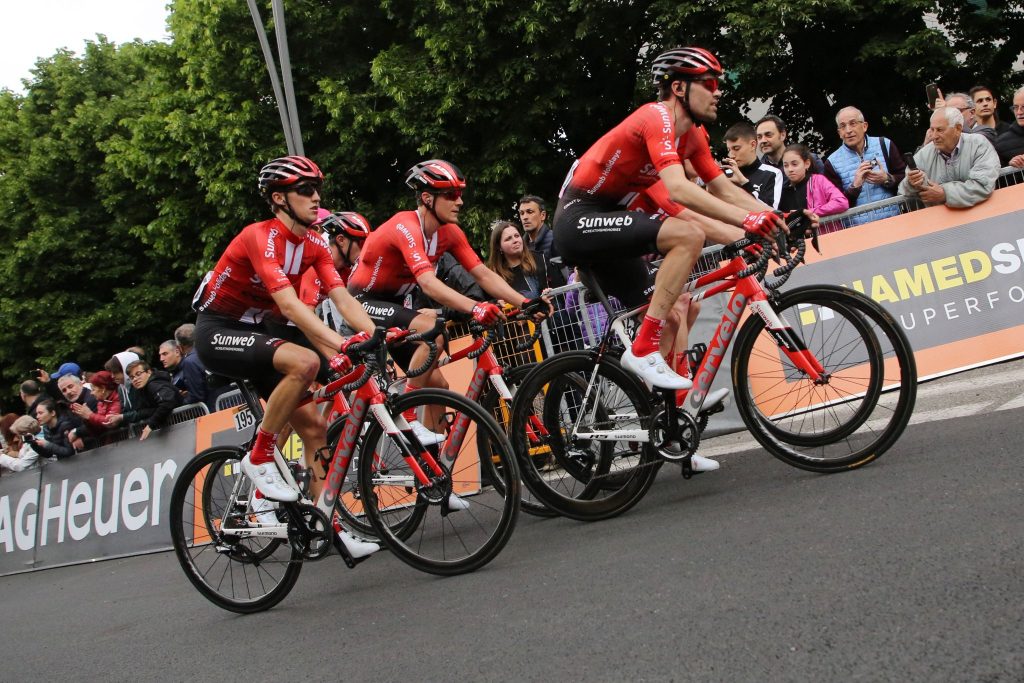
(676, 233)
(297, 362)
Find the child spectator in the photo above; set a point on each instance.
(58, 425)
(158, 395)
(19, 455)
(807, 189)
(108, 403)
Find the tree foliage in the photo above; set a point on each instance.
(125, 170)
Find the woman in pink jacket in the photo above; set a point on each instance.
(807, 189)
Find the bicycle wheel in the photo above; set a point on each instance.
(211, 498)
(586, 478)
(349, 506)
(456, 533)
(865, 401)
(501, 411)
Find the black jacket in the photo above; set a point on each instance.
(1010, 143)
(545, 277)
(158, 398)
(57, 444)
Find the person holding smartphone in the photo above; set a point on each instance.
(867, 169)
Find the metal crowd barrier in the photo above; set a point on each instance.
(187, 412)
(229, 399)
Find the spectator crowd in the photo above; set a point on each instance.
(964, 148)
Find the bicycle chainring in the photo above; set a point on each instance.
(309, 531)
(668, 447)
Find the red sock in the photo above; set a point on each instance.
(681, 364)
(263, 449)
(410, 414)
(648, 337)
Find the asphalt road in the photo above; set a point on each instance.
(911, 569)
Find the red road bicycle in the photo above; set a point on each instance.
(831, 393)
(244, 564)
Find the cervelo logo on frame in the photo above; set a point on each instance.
(102, 507)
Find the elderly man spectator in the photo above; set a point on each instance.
(867, 169)
(1010, 144)
(953, 169)
(763, 181)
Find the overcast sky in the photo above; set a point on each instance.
(31, 29)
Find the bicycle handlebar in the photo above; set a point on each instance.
(426, 337)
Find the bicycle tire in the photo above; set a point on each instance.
(446, 542)
(867, 401)
(240, 575)
(593, 480)
(501, 411)
(349, 505)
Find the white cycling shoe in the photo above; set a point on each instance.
(264, 510)
(457, 503)
(357, 547)
(699, 463)
(653, 369)
(269, 481)
(424, 435)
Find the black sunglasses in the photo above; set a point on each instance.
(306, 189)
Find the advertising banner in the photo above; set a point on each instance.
(107, 502)
(952, 279)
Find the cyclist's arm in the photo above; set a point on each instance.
(725, 190)
(689, 195)
(495, 285)
(326, 340)
(443, 294)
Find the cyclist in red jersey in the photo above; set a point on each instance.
(593, 228)
(402, 253)
(253, 287)
(345, 232)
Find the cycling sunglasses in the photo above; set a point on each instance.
(451, 195)
(710, 83)
(306, 189)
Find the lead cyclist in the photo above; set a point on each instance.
(592, 227)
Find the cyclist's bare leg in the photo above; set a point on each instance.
(681, 240)
(433, 376)
(311, 427)
(298, 366)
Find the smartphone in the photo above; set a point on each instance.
(931, 93)
(909, 159)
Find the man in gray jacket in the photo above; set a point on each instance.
(953, 169)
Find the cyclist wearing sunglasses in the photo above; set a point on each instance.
(402, 253)
(251, 290)
(592, 226)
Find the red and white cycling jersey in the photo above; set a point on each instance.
(396, 253)
(264, 258)
(628, 158)
(654, 200)
(312, 293)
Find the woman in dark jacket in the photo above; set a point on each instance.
(56, 441)
(508, 256)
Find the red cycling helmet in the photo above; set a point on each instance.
(347, 223)
(435, 175)
(284, 172)
(685, 63)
